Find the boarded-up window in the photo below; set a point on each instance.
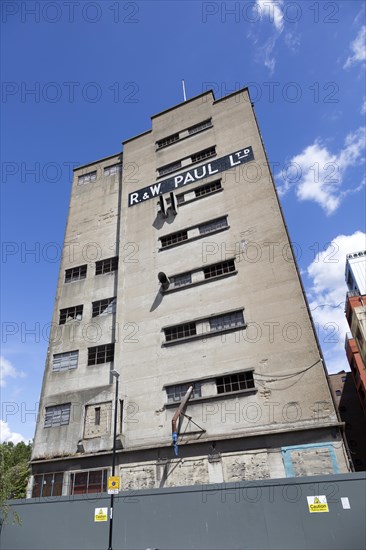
(98, 420)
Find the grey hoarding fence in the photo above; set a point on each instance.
(323, 512)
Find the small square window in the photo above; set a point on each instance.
(106, 266)
(75, 273)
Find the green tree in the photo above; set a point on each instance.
(14, 472)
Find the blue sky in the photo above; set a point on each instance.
(99, 70)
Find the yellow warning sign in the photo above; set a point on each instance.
(317, 504)
(113, 485)
(101, 514)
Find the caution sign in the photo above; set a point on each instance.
(317, 504)
(101, 514)
(113, 485)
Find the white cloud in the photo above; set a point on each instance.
(328, 294)
(317, 174)
(358, 49)
(363, 107)
(271, 11)
(8, 371)
(7, 435)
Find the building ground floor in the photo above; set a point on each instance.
(306, 452)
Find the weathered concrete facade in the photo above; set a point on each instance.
(232, 320)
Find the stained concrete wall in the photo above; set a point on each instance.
(256, 515)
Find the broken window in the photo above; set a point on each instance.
(75, 312)
(104, 307)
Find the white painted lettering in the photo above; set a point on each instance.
(232, 162)
(210, 171)
(188, 179)
(178, 180)
(197, 175)
(134, 198)
(155, 189)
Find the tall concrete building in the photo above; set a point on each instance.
(177, 272)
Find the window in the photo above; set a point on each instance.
(75, 273)
(214, 225)
(86, 178)
(89, 481)
(235, 382)
(57, 416)
(180, 331)
(199, 192)
(47, 485)
(181, 280)
(113, 169)
(202, 275)
(100, 354)
(205, 326)
(65, 361)
(104, 307)
(97, 418)
(174, 238)
(106, 266)
(167, 141)
(194, 232)
(202, 155)
(199, 127)
(170, 168)
(229, 320)
(75, 312)
(344, 378)
(207, 189)
(338, 392)
(219, 269)
(175, 394)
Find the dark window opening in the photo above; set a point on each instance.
(97, 416)
(167, 141)
(100, 354)
(203, 155)
(207, 189)
(180, 331)
(199, 127)
(170, 168)
(47, 485)
(106, 266)
(75, 312)
(75, 273)
(104, 307)
(219, 269)
(90, 481)
(235, 382)
(174, 238)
